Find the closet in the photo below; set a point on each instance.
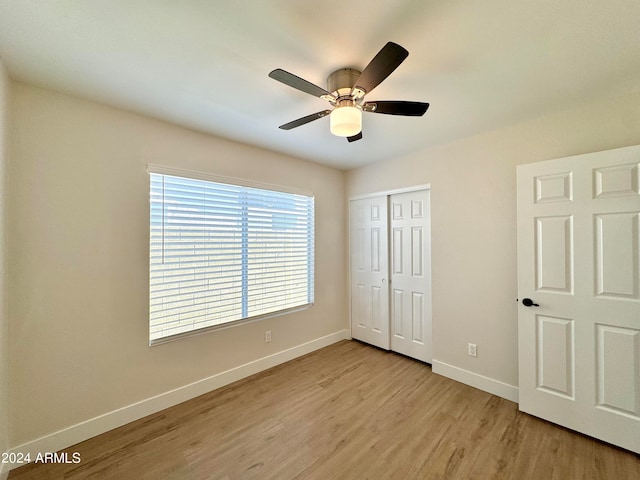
(390, 271)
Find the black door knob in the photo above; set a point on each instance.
(527, 302)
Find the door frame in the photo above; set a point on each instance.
(426, 186)
(386, 193)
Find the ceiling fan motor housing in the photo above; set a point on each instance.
(342, 81)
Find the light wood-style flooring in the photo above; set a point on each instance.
(348, 411)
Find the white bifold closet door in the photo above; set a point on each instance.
(391, 272)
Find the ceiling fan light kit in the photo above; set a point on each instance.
(346, 89)
(345, 121)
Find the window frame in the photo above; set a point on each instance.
(237, 182)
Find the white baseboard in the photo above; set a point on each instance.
(475, 380)
(80, 432)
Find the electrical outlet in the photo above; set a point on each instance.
(472, 350)
(267, 336)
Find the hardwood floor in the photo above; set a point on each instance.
(348, 411)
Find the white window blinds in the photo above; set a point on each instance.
(222, 253)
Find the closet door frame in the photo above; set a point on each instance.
(388, 194)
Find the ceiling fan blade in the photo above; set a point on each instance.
(393, 107)
(305, 120)
(385, 62)
(355, 137)
(298, 83)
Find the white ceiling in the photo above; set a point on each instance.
(204, 64)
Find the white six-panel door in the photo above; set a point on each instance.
(579, 260)
(410, 263)
(369, 270)
(391, 272)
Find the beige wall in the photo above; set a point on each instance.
(4, 344)
(473, 206)
(79, 260)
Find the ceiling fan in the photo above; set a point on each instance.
(346, 89)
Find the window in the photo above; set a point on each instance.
(222, 253)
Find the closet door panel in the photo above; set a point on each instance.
(369, 271)
(410, 274)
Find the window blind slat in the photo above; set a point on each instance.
(220, 253)
(221, 278)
